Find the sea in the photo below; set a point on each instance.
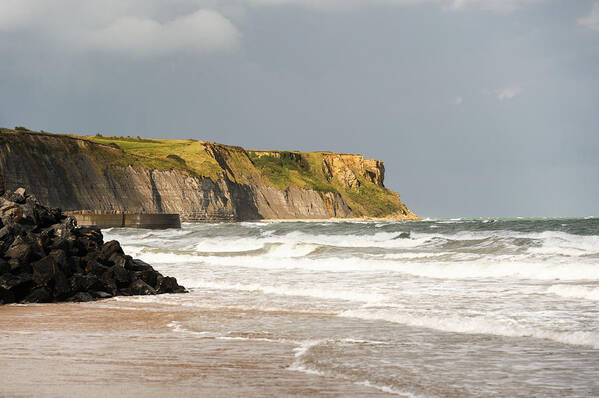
(435, 308)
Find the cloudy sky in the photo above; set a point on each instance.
(477, 107)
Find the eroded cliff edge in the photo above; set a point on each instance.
(199, 180)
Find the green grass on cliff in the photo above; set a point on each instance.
(293, 169)
(370, 200)
(286, 169)
(186, 155)
(281, 169)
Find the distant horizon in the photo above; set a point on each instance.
(424, 217)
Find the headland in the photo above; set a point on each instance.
(199, 180)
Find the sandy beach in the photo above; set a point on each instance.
(127, 349)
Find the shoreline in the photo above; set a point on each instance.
(132, 348)
(336, 219)
(331, 309)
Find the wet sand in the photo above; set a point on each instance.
(105, 349)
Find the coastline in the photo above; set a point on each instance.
(327, 309)
(335, 220)
(392, 218)
(199, 181)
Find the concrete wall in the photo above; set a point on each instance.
(128, 220)
(151, 221)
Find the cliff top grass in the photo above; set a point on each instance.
(280, 169)
(300, 169)
(187, 155)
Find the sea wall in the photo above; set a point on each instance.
(118, 219)
(74, 173)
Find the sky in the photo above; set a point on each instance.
(479, 108)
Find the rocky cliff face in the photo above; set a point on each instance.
(348, 168)
(75, 173)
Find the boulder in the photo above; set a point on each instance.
(119, 274)
(62, 286)
(39, 295)
(45, 257)
(118, 259)
(4, 266)
(111, 248)
(44, 271)
(139, 287)
(81, 297)
(138, 265)
(6, 232)
(18, 196)
(20, 249)
(94, 267)
(84, 282)
(148, 276)
(101, 295)
(168, 284)
(18, 266)
(10, 281)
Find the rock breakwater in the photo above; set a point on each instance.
(45, 257)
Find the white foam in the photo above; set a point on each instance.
(298, 243)
(229, 245)
(415, 255)
(476, 325)
(574, 291)
(307, 345)
(476, 267)
(283, 290)
(564, 244)
(291, 250)
(387, 389)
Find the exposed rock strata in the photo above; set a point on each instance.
(45, 257)
(76, 174)
(347, 168)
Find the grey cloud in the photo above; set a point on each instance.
(380, 80)
(508, 93)
(125, 27)
(203, 30)
(139, 28)
(501, 6)
(591, 21)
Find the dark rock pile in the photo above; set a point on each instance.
(45, 257)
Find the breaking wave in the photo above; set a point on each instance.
(477, 325)
(577, 292)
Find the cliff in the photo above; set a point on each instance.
(199, 180)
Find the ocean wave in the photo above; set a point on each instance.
(476, 325)
(282, 290)
(512, 267)
(541, 243)
(300, 365)
(574, 291)
(178, 327)
(465, 254)
(228, 245)
(387, 389)
(416, 255)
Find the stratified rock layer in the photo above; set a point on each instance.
(226, 183)
(45, 257)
